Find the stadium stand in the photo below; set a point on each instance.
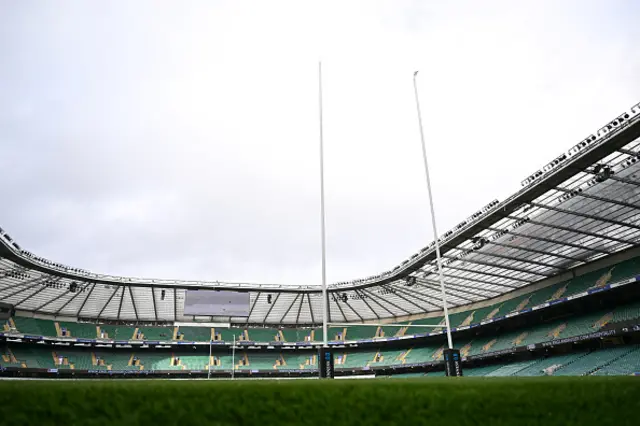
(612, 361)
(193, 334)
(404, 376)
(546, 366)
(627, 364)
(604, 362)
(73, 329)
(7, 358)
(35, 327)
(510, 369)
(32, 357)
(591, 362)
(388, 357)
(355, 359)
(482, 371)
(116, 360)
(599, 278)
(293, 361)
(262, 334)
(256, 361)
(154, 333)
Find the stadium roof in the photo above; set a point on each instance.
(580, 207)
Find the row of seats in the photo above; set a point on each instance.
(571, 327)
(40, 356)
(622, 360)
(537, 334)
(594, 279)
(619, 360)
(616, 361)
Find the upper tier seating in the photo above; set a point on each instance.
(262, 334)
(557, 330)
(156, 333)
(35, 327)
(74, 329)
(195, 334)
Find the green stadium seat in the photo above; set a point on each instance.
(593, 361)
(80, 330)
(195, 334)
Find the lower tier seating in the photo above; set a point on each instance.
(591, 362)
(620, 360)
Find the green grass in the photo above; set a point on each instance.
(467, 401)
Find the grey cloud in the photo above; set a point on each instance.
(183, 143)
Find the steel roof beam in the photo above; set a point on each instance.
(299, 308)
(133, 303)
(625, 180)
(155, 309)
(253, 305)
(560, 256)
(313, 320)
(552, 241)
(449, 290)
(373, 299)
(351, 307)
(533, 262)
(414, 294)
(586, 216)
(120, 304)
(434, 286)
(15, 305)
(457, 277)
(507, 268)
(454, 292)
(28, 284)
(576, 231)
(175, 304)
(391, 303)
(290, 306)
(490, 274)
(108, 301)
(264, 321)
(428, 297)
(628, 152)
(616, 177)
(35, 282)
(83, 302)
(53, 299)
(71, 300)
(335, 299)
(364, 299)
(459, 287)
(598, 198)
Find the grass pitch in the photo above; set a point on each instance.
(466, 401)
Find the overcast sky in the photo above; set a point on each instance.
(180, 139)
